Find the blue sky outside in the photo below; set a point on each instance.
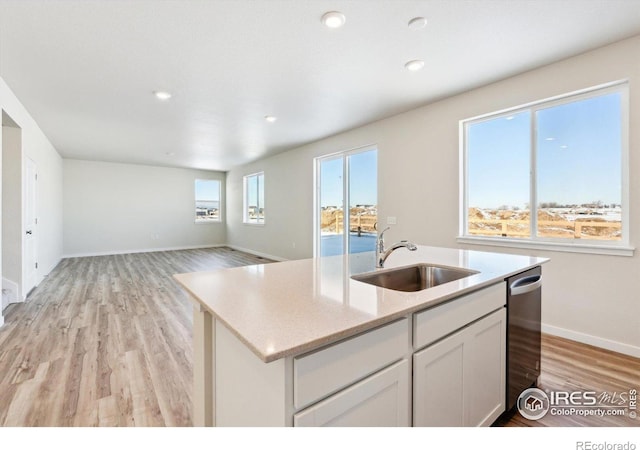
(208, 193)
(363, 180)
(207, 190)
(255, 191)
(578, 155)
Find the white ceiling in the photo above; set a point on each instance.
(86, 69)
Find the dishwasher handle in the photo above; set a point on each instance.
(525, 285)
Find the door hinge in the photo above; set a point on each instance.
(36, 177)
(36, 265)
(36, 220)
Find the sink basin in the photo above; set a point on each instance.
(413, 278)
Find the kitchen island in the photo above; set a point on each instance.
(302, 343)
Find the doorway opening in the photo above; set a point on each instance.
(346, 202)
(11, 266)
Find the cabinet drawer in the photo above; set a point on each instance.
(323, 372)
(381, 400)
(439, 321)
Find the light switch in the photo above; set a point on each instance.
(391, 220)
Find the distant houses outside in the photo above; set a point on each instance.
(363, 219)
(255, 214)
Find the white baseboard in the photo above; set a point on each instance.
(142, 250)
(253, 252)
(607, 344)
(1, 319)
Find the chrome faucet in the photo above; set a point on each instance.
(382, 254)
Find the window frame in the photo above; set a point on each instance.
(621, 248)
(245, 199)
(195, 203)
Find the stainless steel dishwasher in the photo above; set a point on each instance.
(523, 332)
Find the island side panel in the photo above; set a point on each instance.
(248, 391)
(203, 367)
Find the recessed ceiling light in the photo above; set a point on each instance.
(510, 118)
(417, 23)
(414, 65)
(170, 153)
(333, 19)
(564, 146)
(270, 119)
(162, 95)
(550, 139)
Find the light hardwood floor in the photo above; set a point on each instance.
(107, 341)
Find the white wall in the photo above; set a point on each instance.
(2, 302)
(115, 208)
(288, 183)
(586, 297)
(12, 205)
(36, 146)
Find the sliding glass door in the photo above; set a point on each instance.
(351, 179)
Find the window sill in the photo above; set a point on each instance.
(253, 224)
(207, 222)
(596, 249)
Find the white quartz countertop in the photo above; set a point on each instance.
(288, 308)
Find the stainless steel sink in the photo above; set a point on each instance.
(413, 278)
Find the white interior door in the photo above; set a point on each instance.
(31, 227)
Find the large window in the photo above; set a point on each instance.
(254, 198)
(207, 201)
(551, 172)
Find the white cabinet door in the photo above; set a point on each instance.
(438, 379)
(381, 400)
(460, 380)
(485, 356)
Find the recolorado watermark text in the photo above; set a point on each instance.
(588, 445)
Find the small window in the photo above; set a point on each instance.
(549, 172)
(207, 201)
(254, 198)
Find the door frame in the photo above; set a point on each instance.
(317, 163)
(27, 286)
(14, 152)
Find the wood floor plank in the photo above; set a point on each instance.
(25, 398)
(145, 408)
(50, 396)
(121, 386)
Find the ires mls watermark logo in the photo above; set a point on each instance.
(534, 403)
